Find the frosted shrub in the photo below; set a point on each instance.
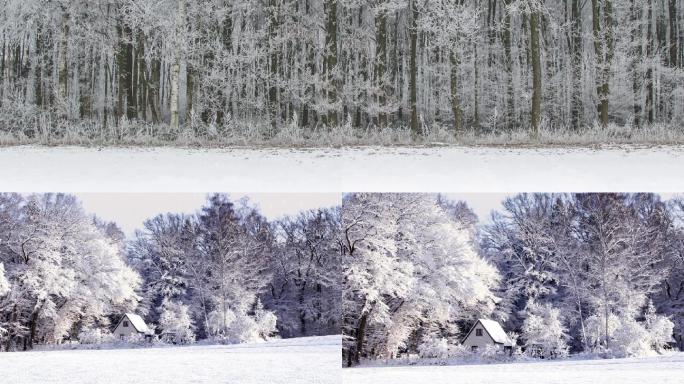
(94, 336)
(492, 353)
(433, 347)
(266, 322)
(219, 320)
(136, 338)
(460, 352)
(291, 132)
(243, 330)
(517, 353)
(544, 333)
(629, 339)
(175, 323)
(513, 337)
(595, 329)
(659, 329)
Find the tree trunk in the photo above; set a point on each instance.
(3, 59)
(455, 101)
(331, 60)
(175, 67)
(381, 66)
(360, 335)
(302, 313)
(143, 80)
(602, 66)
(63, 70)
(536, 73)
(11, 336)
(154, 85)
(508, 64)
(133, 100)
(413, 66)
(123, 67)
(576, 71)
(650, 50)
(274, 66)
(674, 35)
(38, 62)
(636, 57)
(605, 87)
(476, 89)
(33, 325)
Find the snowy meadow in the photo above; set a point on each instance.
(667, 369)
(310, 360)
(405, 169)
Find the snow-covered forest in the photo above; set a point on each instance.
(340, 71)
(592, 274)
(225, 274)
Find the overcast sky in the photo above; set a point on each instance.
(481, 203)
(130, 210)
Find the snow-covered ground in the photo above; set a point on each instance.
(423, 169)
(303, 360)
(661, 370)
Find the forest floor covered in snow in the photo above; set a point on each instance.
(405, 169)
(667, 369)
(303, 360)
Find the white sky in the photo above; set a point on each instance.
(481, 203)
(130, 210)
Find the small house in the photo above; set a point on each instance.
(485, 333)
(130, 325)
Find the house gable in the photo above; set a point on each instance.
(135, 322)
(492, 334)
(485, 333)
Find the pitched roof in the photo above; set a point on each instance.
(494, 330)
(138, 323)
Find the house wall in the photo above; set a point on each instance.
(480, 341)
(125, 331)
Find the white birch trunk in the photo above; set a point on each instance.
(175, 68)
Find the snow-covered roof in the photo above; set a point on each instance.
(138, 323)
(495, 331)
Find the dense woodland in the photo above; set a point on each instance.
(599, 274)
(225, 274)
(322, 71)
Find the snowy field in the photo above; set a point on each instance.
(444, 169)
(661, 370)
(304, 360)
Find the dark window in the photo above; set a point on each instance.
(478, 332)
(125, 324)
(122, 336)
(473, 348)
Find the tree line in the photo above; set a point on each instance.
(228, 261)
(218, 69)
(224, 274)
(563, 273)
